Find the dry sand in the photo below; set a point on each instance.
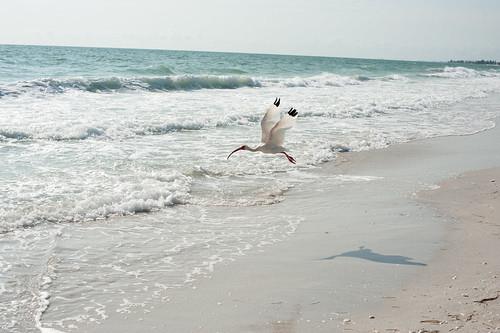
(459, 291)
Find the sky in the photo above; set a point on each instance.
(380, 29)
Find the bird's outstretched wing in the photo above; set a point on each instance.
(271, 117)
(277, 137)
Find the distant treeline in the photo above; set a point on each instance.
(480, 62)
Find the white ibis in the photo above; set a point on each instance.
(273, 131)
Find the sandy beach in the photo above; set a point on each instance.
(459, 289)
(408, 244)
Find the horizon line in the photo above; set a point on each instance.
(229, 52)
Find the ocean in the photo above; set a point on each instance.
(112, 162)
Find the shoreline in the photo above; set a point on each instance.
(362, 240)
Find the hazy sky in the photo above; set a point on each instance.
(390, 29)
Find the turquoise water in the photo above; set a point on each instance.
(107, 150)
(36, 62)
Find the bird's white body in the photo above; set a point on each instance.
(269, 149)
(273, 131)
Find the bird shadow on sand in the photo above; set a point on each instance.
(368, 254)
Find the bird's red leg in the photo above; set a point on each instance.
(290, 158)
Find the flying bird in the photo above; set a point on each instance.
(273, 132)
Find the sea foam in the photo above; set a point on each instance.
(150, 191)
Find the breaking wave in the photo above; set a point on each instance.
(234, 80)
(113, 84)
(330, 80)
(460, 73)
(317, 81)
(181, 82)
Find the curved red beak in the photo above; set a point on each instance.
(234, 151)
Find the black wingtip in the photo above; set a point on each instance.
(293, 112)
(277, 101)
